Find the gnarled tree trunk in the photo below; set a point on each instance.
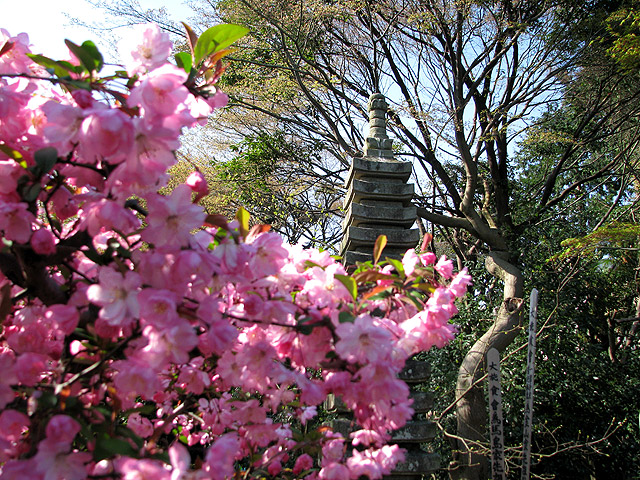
(471, 459)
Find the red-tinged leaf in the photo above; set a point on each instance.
(218, 221)
(257, 230)
(375, 291)
(426, 240)
(381, 242)
(192, 38)
(349, 283)
(371, 276)
(218, 56)
(6, 47)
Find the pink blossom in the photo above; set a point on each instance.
(221, 455)
(460, 283)
(99, 215)
(117, 294)
(172, 217)
(180, 461)
(20, 469)
(10, 172)
(192, 378)
(161, 93)
(362, 341)
(106, 134)
(65, 317)
(170, 344)
(334, 471)
(135, 379)
(303, 462)
(444, 267)
(43, 242)
(323, 289)
(13, 425)
(427, 258)
(32, 368)
(16, 221)
(58, 465)
(134, 469)
(367, 437)
(158, 307)
(151, 50)
(140, 425)
(197, 183)
(409, 261)
(63, 125)
(306, 414)
(15, 60)
(62, 429)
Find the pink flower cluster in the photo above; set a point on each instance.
(142, 338)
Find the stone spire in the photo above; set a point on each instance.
(378, 144)
(378, 200)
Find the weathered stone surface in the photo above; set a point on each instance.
(398, 240)
(376, 168)
(351, 258)
(416, 431)
(395, 237)
(416, 462)
(358, 214)
(366, 190)
(343, 426)
(415, 371)
(422, 401)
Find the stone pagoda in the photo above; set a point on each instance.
(378, 200)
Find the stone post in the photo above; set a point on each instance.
(378, 200)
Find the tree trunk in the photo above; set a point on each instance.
(471, 459)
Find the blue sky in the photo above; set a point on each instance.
(47, 25)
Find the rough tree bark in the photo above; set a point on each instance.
(470, 461)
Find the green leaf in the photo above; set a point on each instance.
(216, 38)
(107, 447)
(310, 264)
(59, 69)
(47, 400)
(183, 60)
(11, 153)
(243, 218)
(31, 193)
(46, 159)
(88, 55)
(90, 47)
(397, 264)
(305, 329)
(345, 317)
(381, 242)
(350, 283)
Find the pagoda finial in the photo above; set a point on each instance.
(378, 144)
